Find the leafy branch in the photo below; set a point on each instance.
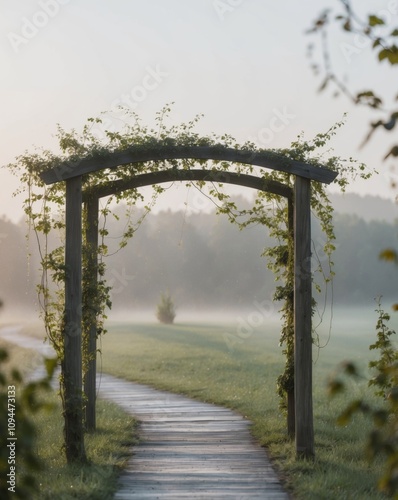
(375, 33)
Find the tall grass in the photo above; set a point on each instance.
(197, 360)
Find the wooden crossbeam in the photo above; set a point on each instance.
(158, 152)
(170, 175)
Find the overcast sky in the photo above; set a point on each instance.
(242, 63)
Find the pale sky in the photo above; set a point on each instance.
(242, 63)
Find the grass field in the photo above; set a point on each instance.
(217, 362)
(212, 363)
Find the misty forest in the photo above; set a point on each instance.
(207, 264)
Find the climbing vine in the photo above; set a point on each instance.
(44, 208)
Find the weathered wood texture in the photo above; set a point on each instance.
(291, 405)
(72, 362)
(189, 449)
(159, 152)
(91, 307)
(302, 319)
(174, 174)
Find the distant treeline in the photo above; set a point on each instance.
(206, 262)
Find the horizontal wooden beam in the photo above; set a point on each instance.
(159, 152)
(173, 174)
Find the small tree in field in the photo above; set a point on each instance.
(166, 309)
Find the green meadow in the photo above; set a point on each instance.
(214, 363)
(222, 363)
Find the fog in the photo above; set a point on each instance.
(214, 272)
(183, 316)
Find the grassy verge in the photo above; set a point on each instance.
(107, 449)
(205, 362)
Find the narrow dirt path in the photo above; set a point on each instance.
(187, 450)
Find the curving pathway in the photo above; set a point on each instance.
(187, 450)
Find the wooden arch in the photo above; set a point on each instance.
(300, 219)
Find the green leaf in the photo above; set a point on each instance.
(324, 84)
(16, 375)
(347, 414)
(350, 368)
(390, 124)
(389, 254)
(375, 20)
(391, 54)
(335, 387)
(347, 25)
(369, 97)
(393, 152)
(393, 394)
(3, 355)
(380, 417)
(51, 365)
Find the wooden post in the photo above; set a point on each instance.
(91, 309)
(72, 362)
(291, 419)
(302, 319)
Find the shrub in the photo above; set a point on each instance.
(166, 309)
